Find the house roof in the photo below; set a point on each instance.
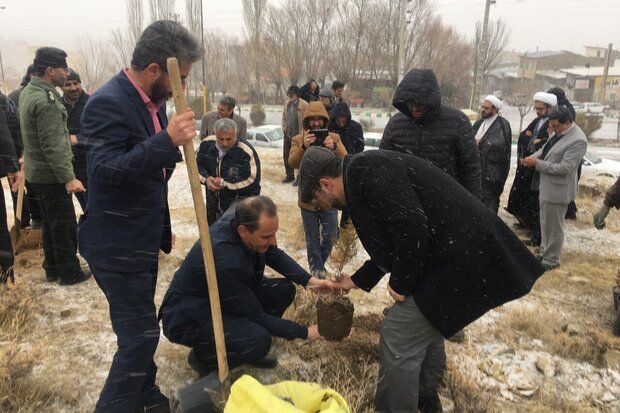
(594, 71)
(543, 53)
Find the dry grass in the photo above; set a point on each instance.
(303, 309)
(577, 341)
(466, 395)
(291, 226)
(20, 391)
(350, 366)
(16, 312)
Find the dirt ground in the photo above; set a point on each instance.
(550, 351)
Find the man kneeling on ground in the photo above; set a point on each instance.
(252, 305)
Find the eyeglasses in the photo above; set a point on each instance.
(315, 119)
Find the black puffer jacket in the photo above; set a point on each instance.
(352, 134)
(443, 136)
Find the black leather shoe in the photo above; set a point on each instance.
(79, 279)
(430, 404)
(197, 365)
(268, 362)
(288, 179)
(549, 267)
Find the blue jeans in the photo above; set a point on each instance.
(321, 228)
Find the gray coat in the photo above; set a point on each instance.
(558, 170)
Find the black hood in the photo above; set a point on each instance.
(420, 86)
(340, 109)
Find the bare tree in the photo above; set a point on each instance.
(135, 17)
(124, 40)
(254, 12)
(349, 50)
(499, 36)
(287, 36)
(162, 10)
(95, 66)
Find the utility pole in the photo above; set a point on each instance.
(481, 57)
(603, 91)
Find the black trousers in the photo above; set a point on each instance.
(286, 151)
(59, 231)
(491, 192)
(6, 250)
(246, 341)
(131, 381)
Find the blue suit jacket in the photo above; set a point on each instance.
(127, 219)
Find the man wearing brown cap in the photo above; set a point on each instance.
(447, 267)
(48, 168)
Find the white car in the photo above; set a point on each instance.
(372, 140)
(592, 165)
(271, 136)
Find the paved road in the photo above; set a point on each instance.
(380, 119)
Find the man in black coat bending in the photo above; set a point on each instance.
(451, 260)
(426, 128)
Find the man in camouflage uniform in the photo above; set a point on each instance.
(48, 167)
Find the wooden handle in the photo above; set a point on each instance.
(20, 198)
(203, 226)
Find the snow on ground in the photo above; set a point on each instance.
(75, 343)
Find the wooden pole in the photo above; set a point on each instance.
(203, 230)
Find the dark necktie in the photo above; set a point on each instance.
(550, 144)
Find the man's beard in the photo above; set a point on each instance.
(486, 115)
(159, 92)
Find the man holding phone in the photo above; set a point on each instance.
(320, 226)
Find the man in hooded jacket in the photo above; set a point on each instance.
(430, 130)
(320, 225)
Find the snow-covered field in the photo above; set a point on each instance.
(550, 351)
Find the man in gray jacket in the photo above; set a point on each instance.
(556, 165)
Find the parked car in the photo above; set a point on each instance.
(372, 140)
(593, 165)
(592, 108)
(578, 107)
(271, 136)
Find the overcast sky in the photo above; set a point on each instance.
(548, 24)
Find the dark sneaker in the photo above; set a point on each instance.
(430, 404)
(197, 365)
(268, 362)
(288, 179)
(85, 275)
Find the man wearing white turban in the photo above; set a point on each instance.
(494, 138)
(523, 201)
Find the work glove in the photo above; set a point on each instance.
(599, 217)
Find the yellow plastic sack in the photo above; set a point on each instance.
(248, 395)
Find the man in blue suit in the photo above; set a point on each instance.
(131, 153)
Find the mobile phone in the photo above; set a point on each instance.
(320, 135)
